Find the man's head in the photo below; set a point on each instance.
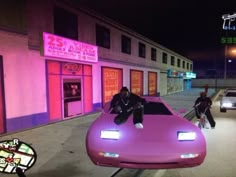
(203, 94)
(124, 91)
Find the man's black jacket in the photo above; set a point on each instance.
(126, 102)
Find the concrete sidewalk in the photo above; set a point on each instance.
(61, 146)
(185, 100)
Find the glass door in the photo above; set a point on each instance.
(72, 97)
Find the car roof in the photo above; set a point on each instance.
(106, 106)
(231, 93)
(230, 90)
(153, 98)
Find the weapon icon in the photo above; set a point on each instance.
(228, 18)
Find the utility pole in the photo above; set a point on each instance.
(225, 67)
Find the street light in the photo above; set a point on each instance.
(234, 51)
(225, 68)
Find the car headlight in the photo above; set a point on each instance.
(110, 134)
(227, 105)
(189, 156)
(186, 136)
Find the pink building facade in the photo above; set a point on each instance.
(38, 88)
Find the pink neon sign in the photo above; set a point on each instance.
(60, 47)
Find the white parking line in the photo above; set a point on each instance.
(159, 173)
(217, 95)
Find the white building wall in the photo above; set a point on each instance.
(163, 84)
(24, 76)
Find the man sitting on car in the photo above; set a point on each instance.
(125, 103)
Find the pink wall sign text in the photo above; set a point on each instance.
(60, 47)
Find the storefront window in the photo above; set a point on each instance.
(152, 83)
(111, 82)
(69, 89)
(136, 82)
(72, 91)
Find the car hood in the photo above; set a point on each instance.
(160, 131)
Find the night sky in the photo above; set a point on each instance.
(192, 28)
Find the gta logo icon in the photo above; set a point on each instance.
(16, 154)
(227, 21)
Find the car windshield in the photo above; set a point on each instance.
(230, 94)
(150, 108)
(156, 108)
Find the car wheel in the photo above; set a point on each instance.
(222, 110)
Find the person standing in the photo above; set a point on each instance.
(203, 103)
(206, 88)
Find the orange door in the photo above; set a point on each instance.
(152, 83)
(112, 79)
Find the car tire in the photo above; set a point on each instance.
(222, 110)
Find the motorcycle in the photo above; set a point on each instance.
(202, 118)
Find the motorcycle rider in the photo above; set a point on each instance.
(203, 102)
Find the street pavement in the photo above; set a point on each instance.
(185, 100)
(220, 159)
(61, 148)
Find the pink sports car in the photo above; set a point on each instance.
(166, 141)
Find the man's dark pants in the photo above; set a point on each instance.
(123, 117)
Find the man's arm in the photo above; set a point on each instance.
(138, 99)
(114, 101)
(142, 100)
(209, 101)
(197, 101)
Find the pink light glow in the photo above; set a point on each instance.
(57, 46)
(1, 103)
(88, 88)
(54, 97)
(54, 91)
(234, 51)
(88, 97)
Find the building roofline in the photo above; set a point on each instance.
(119, 26)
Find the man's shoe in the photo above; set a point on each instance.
(139, 125)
